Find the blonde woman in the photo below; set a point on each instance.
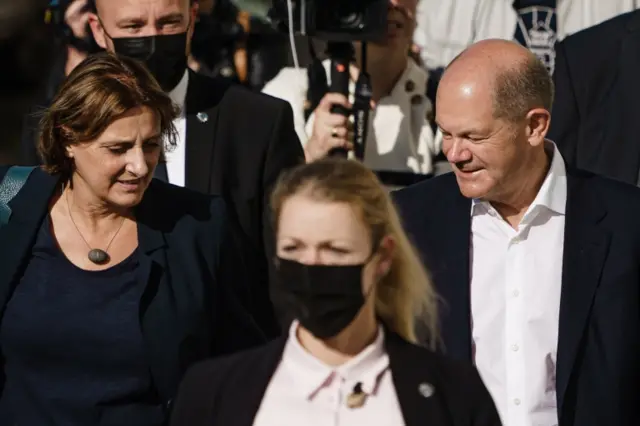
(355, 287)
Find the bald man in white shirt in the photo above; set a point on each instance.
(537, 262)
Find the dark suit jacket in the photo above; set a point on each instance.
(598, 373)
(228, 391)
(595, 117)
(189, 268)
(238, 143)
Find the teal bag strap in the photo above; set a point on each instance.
(11, 184)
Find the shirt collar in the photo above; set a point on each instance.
(179, 93)
(553, 192)
(310, 374)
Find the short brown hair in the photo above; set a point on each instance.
(406, 300)
(98, 91)
(518, 90)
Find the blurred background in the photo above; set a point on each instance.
(42, 40)
(27, 49)
(33, 49)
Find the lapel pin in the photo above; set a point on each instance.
(426, 389)
(226, 72)
(357, 397)
(203, 117)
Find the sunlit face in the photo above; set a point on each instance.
(325, 233)
(142, 18)
(485, 152)
(117, 167)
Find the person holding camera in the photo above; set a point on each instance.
(361, 301)
(400, 136)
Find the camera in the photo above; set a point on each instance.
(329, 20)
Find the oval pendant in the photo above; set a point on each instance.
(99, 257)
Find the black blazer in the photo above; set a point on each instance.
(595, 114)
(228, 391)
(189, 268)
(237, 144)
(598, 373)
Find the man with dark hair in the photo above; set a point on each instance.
(536, 262)
(231, 141)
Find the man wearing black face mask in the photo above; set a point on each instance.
(231, 141)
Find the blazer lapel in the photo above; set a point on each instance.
(29, 208)
(585, 249)
(156, 314)
(254, 393)
(199, 150)
(203, 97)
(453, 274)
(628, 165)
(415, 384)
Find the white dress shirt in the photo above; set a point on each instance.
(176, 162)
(304, 391)
(515, 301)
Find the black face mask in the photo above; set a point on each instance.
(164, 55)
(85, 44)
(325, 299)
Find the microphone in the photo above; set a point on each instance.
(357, 397)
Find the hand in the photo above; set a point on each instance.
(330, 130)
(415, 53)
(77, 16)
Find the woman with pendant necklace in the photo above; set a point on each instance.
(361, 303)
(111, 284)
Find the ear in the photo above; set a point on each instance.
(194, 9)
(193, 16)
(387, 250)
(98, 32)
(538, 121)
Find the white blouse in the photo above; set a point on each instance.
(304, 391)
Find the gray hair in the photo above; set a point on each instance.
(522, 88)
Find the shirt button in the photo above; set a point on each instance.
(516, 401)
(514, 348)
(516, 293)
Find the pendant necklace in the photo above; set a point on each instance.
(95, 255)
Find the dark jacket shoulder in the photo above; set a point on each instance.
(240, 380)
(234, 368)
(592, 52)
(226, 383)
(164, 203)
(611, 29)
(439, 185)
(621, 200)
(413, 366)
(430, 196)
(207, 92)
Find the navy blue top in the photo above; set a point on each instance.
(73, 348)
